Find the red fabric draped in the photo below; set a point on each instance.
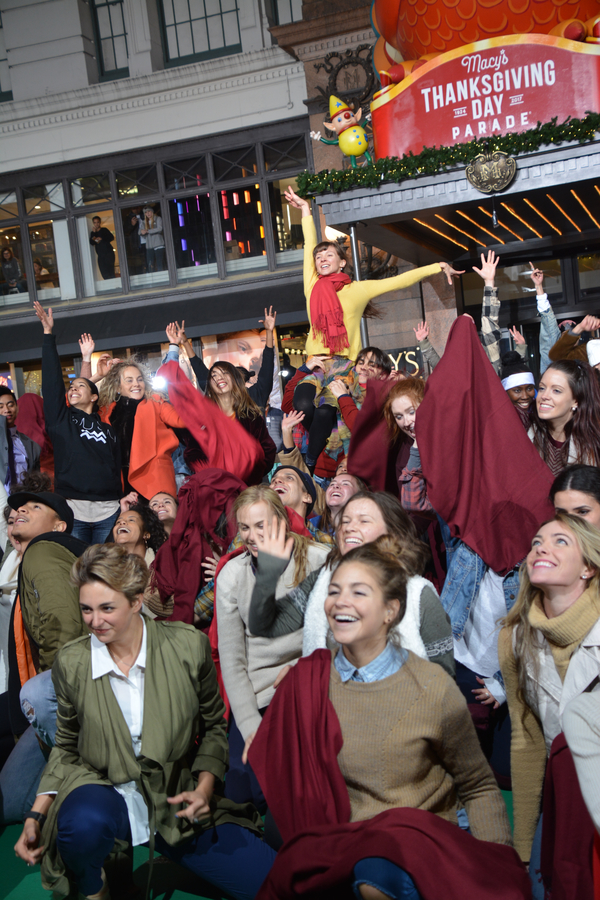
(568, 831)
(202, 499)
(484, 476)
(326, 313)
(226, 444)
(294, 756)
(370, 455)
(31, 422)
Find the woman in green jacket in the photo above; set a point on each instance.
(140, 747)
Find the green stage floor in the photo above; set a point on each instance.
(169, 882)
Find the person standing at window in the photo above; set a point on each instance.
(12, 273)
(101, 238)
(152, 230)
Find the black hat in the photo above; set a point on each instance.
(513, 367)
(54, 501)
(306, 480)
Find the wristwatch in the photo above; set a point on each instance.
(39, 817)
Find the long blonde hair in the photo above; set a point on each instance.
(263, 493)
(527, 639)
(110, 388)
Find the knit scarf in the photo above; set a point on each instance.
(564, 633)
(326, 313)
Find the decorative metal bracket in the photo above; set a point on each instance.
(491, 172)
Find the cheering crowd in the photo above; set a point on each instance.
(308, 670)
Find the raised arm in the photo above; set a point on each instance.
(490, 310)
(53, 386)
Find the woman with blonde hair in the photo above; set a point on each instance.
(549, 649)
(143, 423)
(140, 749)
(250, 665)
(152, 230)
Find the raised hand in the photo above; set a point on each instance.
(269, 319)
(488, 267)
(210, 566)
(449, 272)
(297, 202)
(46, 318)
(589, 323)
(421, 331)
(86, 345)
(517, 336)
(128, 500)
(536, 275)
(274, 540)
(290, 420)
(105, 364)
(338, 388)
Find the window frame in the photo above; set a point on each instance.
(170, 63)
(103, 73)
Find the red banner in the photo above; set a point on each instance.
(498, 86)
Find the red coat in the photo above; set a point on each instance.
(150, 463)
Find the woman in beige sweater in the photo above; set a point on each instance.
(407, 744)
(549, 650)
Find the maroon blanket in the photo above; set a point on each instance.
(371, 456)
(568, 831)
(294, 756)
(202, 499)
(484, 476)
(225, 442)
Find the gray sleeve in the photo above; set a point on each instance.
(429, 352)
(436, 631)
(269, 617)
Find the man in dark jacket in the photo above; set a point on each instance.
(45, 616)
(101, 238)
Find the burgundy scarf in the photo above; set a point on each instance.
(326, 313)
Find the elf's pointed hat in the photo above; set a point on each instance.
(336, 106)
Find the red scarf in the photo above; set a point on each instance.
(326, 313)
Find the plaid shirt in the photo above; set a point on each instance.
(490, 329)
(413, 487)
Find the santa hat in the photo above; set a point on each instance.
(514, 372)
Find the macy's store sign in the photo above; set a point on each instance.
(491, 87)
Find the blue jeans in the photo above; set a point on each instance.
(241, 784)
(20, 777)
(386, 877)
(230, 857)
(39, 705)
(94, 532)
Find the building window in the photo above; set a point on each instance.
(5, 85)
(199, 29)
(282, 12)
(111, 39)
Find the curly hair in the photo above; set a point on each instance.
(414, 388)
(243, 404)
(151, 524)
(583, 428)
(265, 494)
(411, 551)
(110, 388)
(113, 566)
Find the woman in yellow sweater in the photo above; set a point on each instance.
(364, 755)
(549, 649)
(335, 306)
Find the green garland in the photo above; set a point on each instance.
(432, 160)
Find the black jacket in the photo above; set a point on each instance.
(87, 464)
(260, 391)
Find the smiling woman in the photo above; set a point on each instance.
(548, 650)
(251, 665)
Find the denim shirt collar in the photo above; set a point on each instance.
(387, 663)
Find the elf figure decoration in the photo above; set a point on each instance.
(350, 136)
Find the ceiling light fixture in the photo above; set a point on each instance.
(497, 240)
(460, 231)
(560, 209)
(523, 222)
(441, 234)
(595, 221)
(542, 216)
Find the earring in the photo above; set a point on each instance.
(574, 408)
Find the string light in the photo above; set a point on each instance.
(552, 200)
(501, 224)
(523, 222)
(460, 231)
(586, 209)
(542, 216)
(497, 240)
(441, 233)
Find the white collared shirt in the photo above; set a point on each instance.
(129, 694)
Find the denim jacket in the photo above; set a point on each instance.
(549, 334)
(461, 587)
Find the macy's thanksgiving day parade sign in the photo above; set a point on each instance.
(506, 84)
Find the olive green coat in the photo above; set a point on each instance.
(93, 743)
